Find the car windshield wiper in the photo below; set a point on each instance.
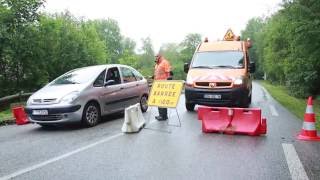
(65, 82)
(207, 67)
(74, 82)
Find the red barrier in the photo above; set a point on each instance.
(202, 110)
(214, 119)
(20, 115)
(232, 120)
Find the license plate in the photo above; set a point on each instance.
(40, 112)
(212, 96)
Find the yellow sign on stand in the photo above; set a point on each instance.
(165, 93)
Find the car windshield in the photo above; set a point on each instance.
(78, 76)
(222, 59)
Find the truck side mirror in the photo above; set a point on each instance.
(186, 67)
(252, 67)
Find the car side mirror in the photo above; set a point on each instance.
(186, 67)
(252, 67)
(109, 82)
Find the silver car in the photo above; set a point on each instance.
(86, 94)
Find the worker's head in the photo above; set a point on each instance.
(158, 58)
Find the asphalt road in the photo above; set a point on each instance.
(161, 152)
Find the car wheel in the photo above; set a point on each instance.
(91, 114)
(144, 103)
(190, 106)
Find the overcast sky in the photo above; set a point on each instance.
(169, 20)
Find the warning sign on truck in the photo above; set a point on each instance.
(165, 93)
(229, 36)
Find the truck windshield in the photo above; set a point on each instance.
(222, 59)
(78, 76)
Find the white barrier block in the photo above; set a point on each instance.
(133, 119)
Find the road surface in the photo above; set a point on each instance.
(161, 152)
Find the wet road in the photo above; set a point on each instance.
(161, 152)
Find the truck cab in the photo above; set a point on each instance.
(219, 75)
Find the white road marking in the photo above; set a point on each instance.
(265, 92)
(273, 110)
(294, 164)
(52, 160)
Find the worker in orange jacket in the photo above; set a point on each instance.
(162, 71)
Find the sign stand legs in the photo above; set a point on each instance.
(179, 125)
(168, 124)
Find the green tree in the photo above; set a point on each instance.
(303, 65)
(189, 45)
(287, 46)
(172, 52)
(109, 31)
(69, 43)
(254, 31)
(146, 58)
(129, 56)
(17, 18)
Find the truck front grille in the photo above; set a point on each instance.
(216, 85)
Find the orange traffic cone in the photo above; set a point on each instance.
(309, 132)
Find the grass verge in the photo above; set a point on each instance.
(6, 117)
(295, 105)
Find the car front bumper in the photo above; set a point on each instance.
(229, 97)
(56, 114)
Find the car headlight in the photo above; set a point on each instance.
(70, 97)
(189, 81)
(238, 81)
(29, 102)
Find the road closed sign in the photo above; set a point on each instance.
(165, 93)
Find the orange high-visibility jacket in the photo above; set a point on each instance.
(162, 70)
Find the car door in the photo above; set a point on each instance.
(131, 86)
(98, 90)
(113, 91)
(143, 87)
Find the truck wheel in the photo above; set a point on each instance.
(246, 102)
(190, 106)
(91, 114)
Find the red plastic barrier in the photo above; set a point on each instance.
(203, 110)
(233, 120)
(20, 115)
(247, 121)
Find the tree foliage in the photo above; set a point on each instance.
(189, 45)
(286, 46)
(146, 58)
(109, 31)
(35, 47)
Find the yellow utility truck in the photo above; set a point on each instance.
(220, 74)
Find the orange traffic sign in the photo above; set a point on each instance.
(229, 36)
